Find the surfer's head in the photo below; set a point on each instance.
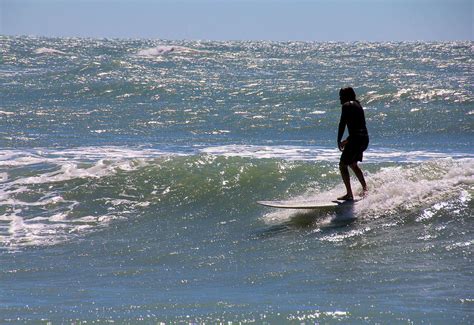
(346, 95)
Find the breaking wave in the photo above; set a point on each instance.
(51, 196)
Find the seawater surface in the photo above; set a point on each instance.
(130, 171)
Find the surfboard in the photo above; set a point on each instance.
(310, 204)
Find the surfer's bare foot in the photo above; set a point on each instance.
(346, 197)
(364, 192)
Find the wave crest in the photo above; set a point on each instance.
(48, 51)
(164, 50)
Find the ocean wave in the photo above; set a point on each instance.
(419, 93)
(35, 209)
(49, 51)
(15, 158)
(51, 196)
(164, 50)
(312, 153)
(398, 189)
(414, 189)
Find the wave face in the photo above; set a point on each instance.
(51, 196)
(129, 181)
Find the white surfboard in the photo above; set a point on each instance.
(309, 204)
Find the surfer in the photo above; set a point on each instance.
(352, 148)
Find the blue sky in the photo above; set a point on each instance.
(308, 20)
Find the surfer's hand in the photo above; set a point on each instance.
(342, 144)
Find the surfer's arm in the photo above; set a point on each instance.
(342, 127)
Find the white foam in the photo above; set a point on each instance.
(414, 187)
(310, 316)
(48, 51)
(3, 177)
(338, 237)
(421, 189)
(17, 158)
(313, 153)
(19, 231)
(318, 112)
(459, 245)
(164, 50)
(20, 228)
(421, 93)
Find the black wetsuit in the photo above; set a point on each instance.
(353, 116)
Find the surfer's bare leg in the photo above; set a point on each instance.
(360, 177)
(347, 182)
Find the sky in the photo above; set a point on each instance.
(280, 20)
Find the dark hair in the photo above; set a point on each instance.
(347, 94)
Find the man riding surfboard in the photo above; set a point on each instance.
(352, 116)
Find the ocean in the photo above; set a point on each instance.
(130, 171)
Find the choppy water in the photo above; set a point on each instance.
(129, 171)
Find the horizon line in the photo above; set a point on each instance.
(238, 40)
